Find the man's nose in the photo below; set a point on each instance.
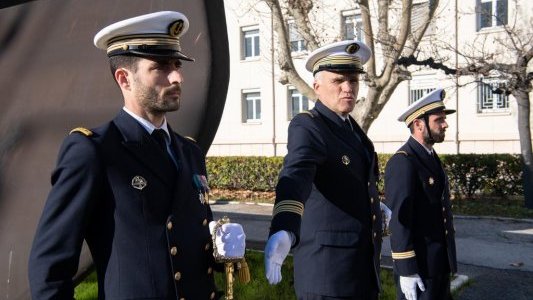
(175, 77)
(347, 86)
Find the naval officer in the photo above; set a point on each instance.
(327, 207)
(133, 189)
(418, 193)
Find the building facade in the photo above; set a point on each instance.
(259, 108)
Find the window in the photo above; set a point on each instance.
(297, 42)
(419, 13)
(491, 13)
(352, 27)
(415, 94)
(252, 106)
(490, 97)
(250, 43)
(297, 103)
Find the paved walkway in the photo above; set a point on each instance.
(495, 253)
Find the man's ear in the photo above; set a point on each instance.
(123, 77)
(417, 123)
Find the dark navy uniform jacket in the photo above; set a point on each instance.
(422, 232)
(142, 218)
(333, 173)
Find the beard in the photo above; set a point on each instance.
(167, 100)
(436, 137)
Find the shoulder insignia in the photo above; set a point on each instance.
(308, 112)
(82, 130)
(190, 138)
(402, 152)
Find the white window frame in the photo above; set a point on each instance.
(494, 14)
(418, 92)
(295, 36)
(487, 100)
(418, 13)
(252, 97)
(352, 17)
(292, 94)
(251, 34)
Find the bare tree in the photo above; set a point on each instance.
(395, 38)
(506, 59)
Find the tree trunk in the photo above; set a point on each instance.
(524, 131)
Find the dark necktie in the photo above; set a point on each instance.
(160, 136)
(348, 125)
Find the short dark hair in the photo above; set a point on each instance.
(412, 127)
(123, 61)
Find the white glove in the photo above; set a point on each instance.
(408, 285)
(230, 239)
(276, 251)
(386, 212)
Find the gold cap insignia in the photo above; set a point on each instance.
(352, 48)
(431, 181)
(138, 182)
(175, 28)
(345, 160)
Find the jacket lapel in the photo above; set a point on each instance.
(427, 161)
(344, 134)
(139, 143)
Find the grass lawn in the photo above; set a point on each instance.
(257, 289)
(512, 207)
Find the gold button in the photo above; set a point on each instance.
(209, 270)
(371, 199)
(173, 251)
(204, 222)
(369, 183)
(443, 208)
(169, 225)
(212, 295)
(206, 246)
(373, 217)
(177, 276)
(374, 234)
(446, 232)
(444, 220)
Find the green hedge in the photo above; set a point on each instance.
(470, 174)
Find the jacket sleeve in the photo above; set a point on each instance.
(400, 180)
(59, 237)
(306, 150)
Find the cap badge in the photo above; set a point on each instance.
(431, 181)
(352, 48)
(345, 160)
(138, 182)
(175, 28)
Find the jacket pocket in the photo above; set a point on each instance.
(346, 239)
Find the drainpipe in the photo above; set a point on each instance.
(457, 142)
(273, 83)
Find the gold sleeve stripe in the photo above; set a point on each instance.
(403, 255)
(402, 152)
(289, 206)
(82, 130)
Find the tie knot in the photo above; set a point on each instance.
(348, 124)
(160, 137)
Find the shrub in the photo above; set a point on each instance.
(470, 175)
